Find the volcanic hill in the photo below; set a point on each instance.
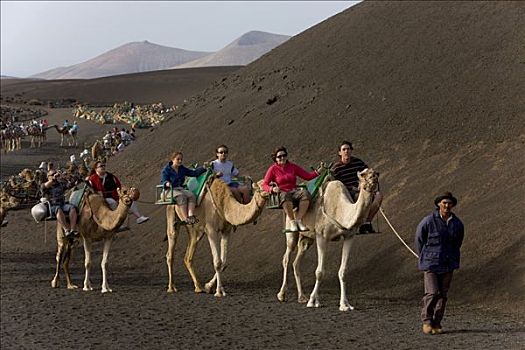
(134, 57)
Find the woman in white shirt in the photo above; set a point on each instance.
(225, 170)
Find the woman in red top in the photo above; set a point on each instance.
(106, 184)
(281, 178)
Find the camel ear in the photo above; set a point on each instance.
(359, 176)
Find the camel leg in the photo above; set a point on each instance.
(224, 253)
(172, 234)
(194, 239)
(302, 247)
(343, 302)
(104, 264)
(67, 258)
(321, 250)
(55, 282)
(291, 243)
(213, 239)
(87, 265)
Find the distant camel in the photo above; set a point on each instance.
(97, 151)
(12, 138)
(331, 217)
(218, 212)
(64, 132)
(37, 135)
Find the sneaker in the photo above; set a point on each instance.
(293, 226)
(301, 226)
(142, 219)
(427, 329)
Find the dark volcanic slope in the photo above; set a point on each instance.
(168, 86)
(432, 95)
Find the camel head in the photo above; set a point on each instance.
(128, 195)
(368, 180)
(7, 201)
(258, 189)
(27, 174)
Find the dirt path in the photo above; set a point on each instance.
(139, 314)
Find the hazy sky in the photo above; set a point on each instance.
(40, 35)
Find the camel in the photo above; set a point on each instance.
(12, 138)
(218, 213)
(7, 202)
(331, 217)
(97, 151)
(64, 132)
(96, 222)
(37, 135)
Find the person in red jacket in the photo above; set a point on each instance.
(107, 184)
(281, 178)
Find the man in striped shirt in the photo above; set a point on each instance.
(346, 171)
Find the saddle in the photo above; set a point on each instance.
(311, 186)
(196, 185)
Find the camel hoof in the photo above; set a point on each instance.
(302, 299)
(72, 286)
(313, 303)
(107, 290)
(55, 283)
(281, 296)
(87, 289)
(207, 287)
(199, 290)
(172, 290)
(346, 307)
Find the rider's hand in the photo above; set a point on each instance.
(276, 189)
(320, 167)
(167, 184)
(219, 174)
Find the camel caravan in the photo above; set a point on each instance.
(12, 134)
(139, 116)
(213, 200)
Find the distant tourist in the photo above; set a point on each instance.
(106, 184)
(346, 171)
(438, 241)
(74, 128)
(65, 125)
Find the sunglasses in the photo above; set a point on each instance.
(280, 156)
(222, 152)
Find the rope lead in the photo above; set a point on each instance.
(397, 234)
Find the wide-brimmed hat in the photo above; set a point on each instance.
(446, 195)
